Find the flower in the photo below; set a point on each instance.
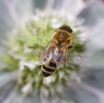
(27, 42)
(21, 74)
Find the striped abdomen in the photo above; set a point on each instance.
(48, 69)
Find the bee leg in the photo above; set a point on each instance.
(70, 47)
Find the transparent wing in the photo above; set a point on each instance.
(61, 57)
(46, 55)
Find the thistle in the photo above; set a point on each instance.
(24, 46)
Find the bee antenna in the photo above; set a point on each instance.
(67, 28)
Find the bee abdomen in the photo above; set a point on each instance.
(49, 68)
(52, 63)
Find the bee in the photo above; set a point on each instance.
(55, 55)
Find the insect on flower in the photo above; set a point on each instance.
(55, 55)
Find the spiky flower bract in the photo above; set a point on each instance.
(28, 40)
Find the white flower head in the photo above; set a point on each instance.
(27, 89)
(31, 65)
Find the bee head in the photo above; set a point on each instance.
(67, 28)
(62, 35)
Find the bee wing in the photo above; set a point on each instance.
(60, 57)
(46, 55)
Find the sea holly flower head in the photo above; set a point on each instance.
(25, 45)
